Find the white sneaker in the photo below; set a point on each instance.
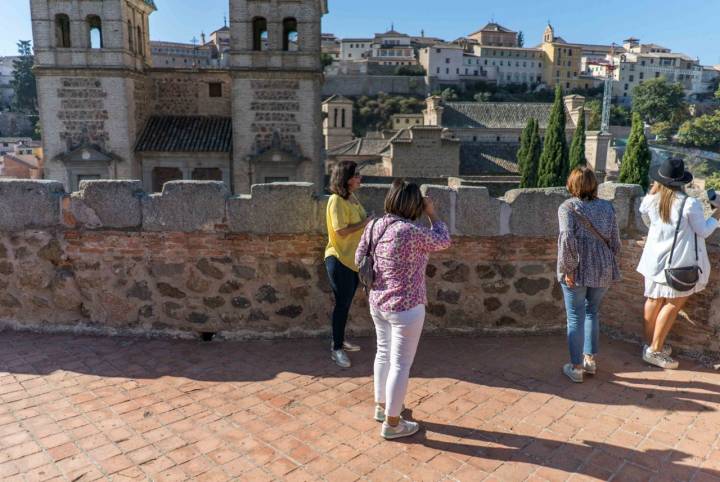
(341, 358)
(666, 349)
(404, 429)
(380, 413)
(347, 346)
(660, 359)
(574, 374)
(589, 365)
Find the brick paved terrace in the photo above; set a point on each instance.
(85, 408)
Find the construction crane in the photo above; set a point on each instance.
(610, 68)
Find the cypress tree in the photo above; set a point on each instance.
(635, 167)
(523, 151)
(533, 155)
(577, 148)
(554, 164)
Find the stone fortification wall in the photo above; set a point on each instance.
(361, 84)
(111, 258)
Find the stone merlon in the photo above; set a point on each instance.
(282, 208)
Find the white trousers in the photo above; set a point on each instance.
(398, 335)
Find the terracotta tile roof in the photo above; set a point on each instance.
(495, 115)
(24, 159)
(362, 146)
(489, 158)
(186, 134)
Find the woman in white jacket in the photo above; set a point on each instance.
(663, 206)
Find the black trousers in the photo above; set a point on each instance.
(344, 283)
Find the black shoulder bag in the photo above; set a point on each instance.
(685, 278)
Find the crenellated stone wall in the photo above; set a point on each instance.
(112, 259)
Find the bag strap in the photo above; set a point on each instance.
(383, 234)
(677, 232)
(370, 241)
(588, 224)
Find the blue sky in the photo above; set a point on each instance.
(688, 26)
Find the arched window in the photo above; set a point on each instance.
(131, 36)
(260, 34)
(290, 35)
(140, 43)
(95, 30)
(342, 118)
(62, 31)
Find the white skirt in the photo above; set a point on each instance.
(657, 290)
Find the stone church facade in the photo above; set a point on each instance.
(107, 113)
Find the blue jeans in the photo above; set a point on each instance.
(583, 325)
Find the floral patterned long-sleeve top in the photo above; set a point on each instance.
(582, 254)
(401, 257)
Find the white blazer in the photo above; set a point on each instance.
(659, 242)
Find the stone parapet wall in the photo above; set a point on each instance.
(112, 259)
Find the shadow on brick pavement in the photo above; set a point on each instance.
(87, 408)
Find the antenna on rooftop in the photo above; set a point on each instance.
(225, 21)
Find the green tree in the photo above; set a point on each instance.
(594, 107)
(524, 147)
(531, 157)
(449, 95)
(620, 116)
(713, 182)
(553, 170)
(717, 93)
(657, 100)
(521, 39)
(703, 131)
(482, 97)
(635, 165)
(23, 81)
(326, 59)
(663, 130)
(577, 148)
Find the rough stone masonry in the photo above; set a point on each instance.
(113, 259)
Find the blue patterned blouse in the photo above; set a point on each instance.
(580, 252)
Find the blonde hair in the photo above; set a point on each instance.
(667, 198)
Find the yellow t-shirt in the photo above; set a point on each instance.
(341, 214)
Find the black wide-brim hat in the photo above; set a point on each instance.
(671, 173)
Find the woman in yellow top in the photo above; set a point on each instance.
(346, 220)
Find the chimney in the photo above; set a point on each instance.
(202, 38)
(434, 111)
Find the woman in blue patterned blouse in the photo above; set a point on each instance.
(588, 246)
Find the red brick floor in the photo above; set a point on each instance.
(85, 408)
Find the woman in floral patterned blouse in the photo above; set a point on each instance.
(588, 247)
(398, 297)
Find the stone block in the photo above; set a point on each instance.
(186, 206)
(108, 204)
(534, 212)
(476, 213)
(445, 199)
(29, 204)
(623, 197)
(372, 197)
(641, 223)
(278, 208)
